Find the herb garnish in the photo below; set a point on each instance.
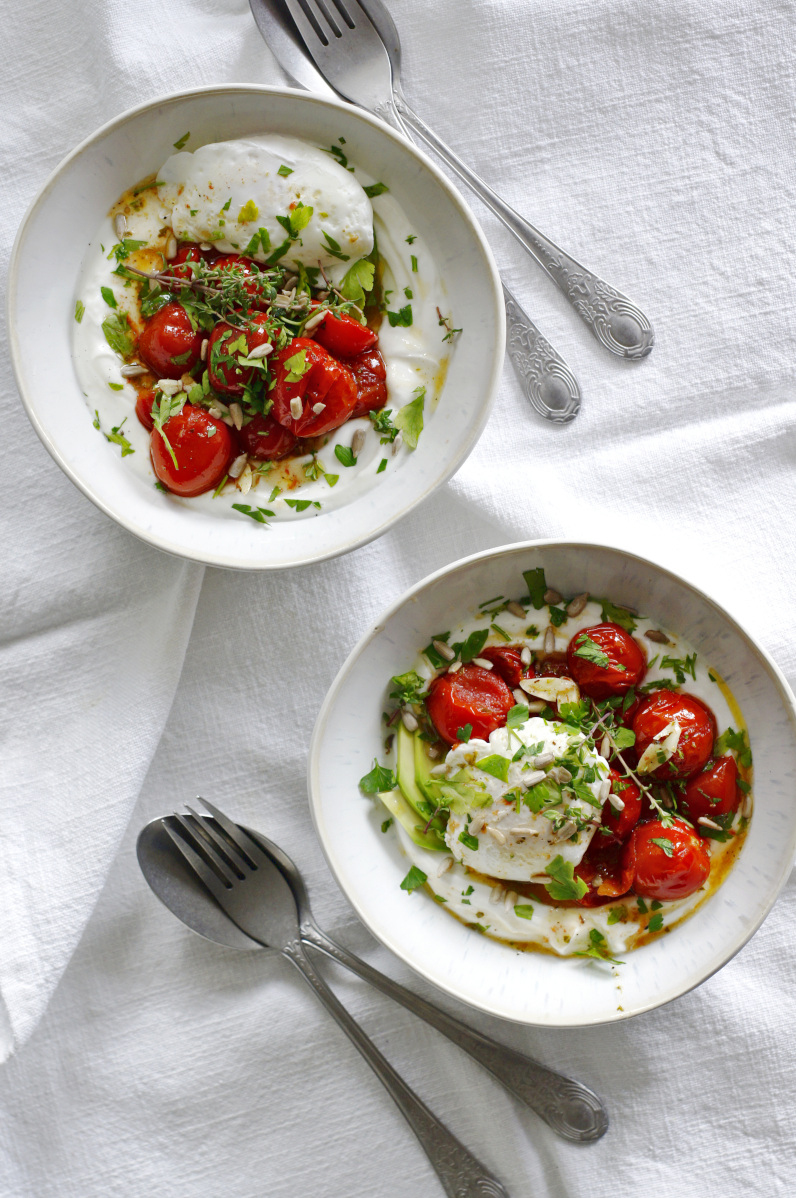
(414, 879)
(380, 778)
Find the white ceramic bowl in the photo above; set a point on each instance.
(77, 197)
(535, 988)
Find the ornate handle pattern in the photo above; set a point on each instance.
(569, 1107)
(618, 324)
(462, 1174)
(548, 383)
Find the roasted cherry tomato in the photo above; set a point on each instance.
(370, 373)
(202, 446)
(506, 662)
(225, 346)
(343, 336)
(262, 438)
(554, 665)
(624, 668)
(187, 251)
(304, 371)
(143, 409)
(621, 823)
(472, 695)
(169, 345)
(247, 268)
(604, 870)
(669, 863)
(713, 792)
(697, 731)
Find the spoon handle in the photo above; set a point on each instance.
(569, 1107)
(462, 1174)
(620, 326)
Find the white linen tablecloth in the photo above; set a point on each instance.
(657, 143)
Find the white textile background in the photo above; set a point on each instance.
(656, 142)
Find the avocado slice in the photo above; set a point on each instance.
(407, 771)
(398, 807)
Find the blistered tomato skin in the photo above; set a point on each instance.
(343, 336)
(697, 731)
(143, 409)
(606, 869)
(202, 455)
(187, 251)
(370, 372)
(167, 336)
(626, 662)
(323, 381)
(713, 792)
(670, 863)
(473, 696)
(262, 438)
(621, 823)
(507, 662)
(225, 373)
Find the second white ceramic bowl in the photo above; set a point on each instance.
(78, 196)
(535, 988)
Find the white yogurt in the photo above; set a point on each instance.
(415, 356)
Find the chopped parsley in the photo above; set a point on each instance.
(118, 334)
(598, 948)
(375, 189)
(663, 842)
(468, 840)
(589, 650)
(402, 318)
(612, 614)
(524, 910)
(464, 734)
(248, 212)
(564, 886)
(414, 879)
(409, 418)
(345, 455)
(535, 582)
(182, 141)
(80, 309)
(258, 514)
(379, 778)
(284, 171)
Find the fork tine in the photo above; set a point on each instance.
(238, 860)
(199, 867)
(315, 7)
(309, 28)
(239, 836)
(198, 842)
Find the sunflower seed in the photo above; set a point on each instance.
(536, 705)
(446, 865)
(203, 350)
(477, 824)
(133, 370)
(171, 248)
(444, 650)
(296, 408)
(615, 801)
(510, 899)
(605, 790)
(483, 662)
(245, 480)
(551, 596)
(396, 445)
(236, 412)
(315, 320)
(549, 641)
(577, 604)
(260, 351)
(534, 778)
(357, 441)
(438, 770)
(524, 831)
(205, 245)
(454, 666)
(496, 894)
(322, 295)
(290, 283)
(525, 656)
(408, 720)
(605, 746)
(516, 609)
(120, 226)
(496, 834)
(746, 807)
(709, 823)
(236, 469)
(564, 832)
(318, 408)
(560, 774)
(660, 638)
(542, 760)
(433, 753)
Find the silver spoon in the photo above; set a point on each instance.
(549, 385)
(569, 1107)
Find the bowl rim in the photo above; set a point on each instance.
(786, 695)
(153, 537)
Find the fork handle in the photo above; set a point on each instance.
(620, 326)
(569, 1107)
(462, 1174)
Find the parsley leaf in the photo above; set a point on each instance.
(656, 923)
(379, 778)
(375, 189)
(735, 742)
(382, 423)
(535, 582)
(663, 842)
(357, 280)
(468, 840)
(598, 948)
(80, 309)
(118, 334)
(284, 171)
(517, 716)
(474, 644)
(408, 687)
(589, 650)
(617, 615)
(345, 455)
(464, 734)
(178, 145)
(108, 296)
(258, 514)
(402, 318)
(333, 246)
(409, 418)
(564, 887)
(414, 879)
(495, 765)
(297, 366)
(524, 910)
(558, 616)
(623, 738)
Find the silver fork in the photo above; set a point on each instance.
(351, 55)
(252, 891)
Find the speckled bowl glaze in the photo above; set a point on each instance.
(79, 194)
(529, 987)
